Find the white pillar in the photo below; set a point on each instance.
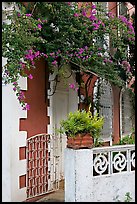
(78, 175)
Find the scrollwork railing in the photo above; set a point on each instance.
(114, 159)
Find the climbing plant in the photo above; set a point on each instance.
(66, 33)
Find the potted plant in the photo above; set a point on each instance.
(82, 129)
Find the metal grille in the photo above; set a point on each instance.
(103, 97)
(127, 114)
(106, 105)
(42, 165)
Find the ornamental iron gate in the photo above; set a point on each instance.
(104, 99)
(127, 114)
(42, 165)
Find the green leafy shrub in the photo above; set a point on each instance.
(82, 122)
(128, 139)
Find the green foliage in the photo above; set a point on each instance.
(127, 197)
(128, 139)
(67, 36)
(82, 122)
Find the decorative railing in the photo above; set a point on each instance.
(114, 159)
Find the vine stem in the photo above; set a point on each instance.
(34, 7)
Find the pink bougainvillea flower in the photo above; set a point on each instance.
(76, 14)
(105, 60)
(94, 12)
(99, 54)
(96, 27)
(19, 14)
(32, 62)
(92, 18)
(72, 86)
(21, 96)
(45, 55)
(44, 21)
(37, 53)
(27, 107)
(54, 62)
(15, 83)
(103, 24)
(30, 76)
(93, 6)
(76, 89)
(28, 14)
(84, 12)
(39, 26)
(14, 89)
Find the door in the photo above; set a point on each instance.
(60, 111)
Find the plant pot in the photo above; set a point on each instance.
(80, 141)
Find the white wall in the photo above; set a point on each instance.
(81, 185)
(12, 138)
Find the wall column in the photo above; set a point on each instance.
(116, 113)
(78, 175)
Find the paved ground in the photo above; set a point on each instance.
(57, 196)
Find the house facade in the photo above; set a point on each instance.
(32, 150)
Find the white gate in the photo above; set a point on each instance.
(42, 165)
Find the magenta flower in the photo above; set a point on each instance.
(32, 62)
(43, 21)
(86, 47)
(84, 12)
(45, 55)
(27, 107)
(19, 14)
(76, 89)
(30, 76)
(76, 14)
(39, 26)
(15, 83)
(54, 62)
(103, 24)
(99, 54)
(126, 65)
(81, 50)
(105, 60)
(110, 61)
(93, 6)
(37, 53)
(72, 86)
(28, 14)
(22, 65)
(14, 89)
(92, 18)
(94, 12)
(21, 96)
(96, 26)
(131, 28)
(52, 54)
